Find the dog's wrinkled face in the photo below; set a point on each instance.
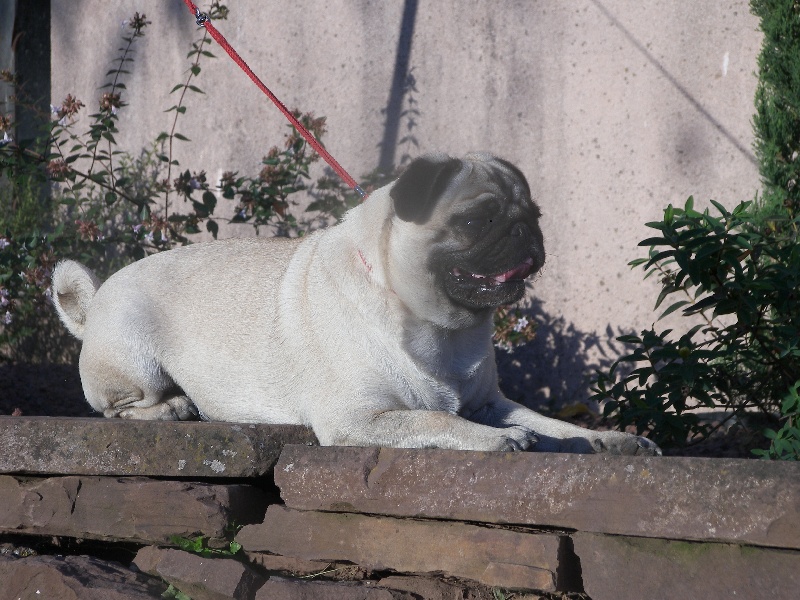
(483, 237)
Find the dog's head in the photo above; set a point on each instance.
(471, 223)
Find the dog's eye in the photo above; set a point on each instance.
(472, 223)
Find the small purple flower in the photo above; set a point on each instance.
(521, 324)
(56, 110)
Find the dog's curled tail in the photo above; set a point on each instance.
(74, 286)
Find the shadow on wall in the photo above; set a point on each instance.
(673, 80)
(556, 367)
(402, 84)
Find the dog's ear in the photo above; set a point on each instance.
(517, 173)
(416, 191)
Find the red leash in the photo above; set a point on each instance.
(204, 21)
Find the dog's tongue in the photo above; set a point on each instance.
(521, 271)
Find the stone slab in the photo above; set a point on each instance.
(73, 578)
(435, 589)
(297, 567)
(290, 589)
(130, 509)
(85, 446)
(622, 568)
(492, 556)
(199, 577)
(741, 501)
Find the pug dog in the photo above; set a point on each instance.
(374, 332)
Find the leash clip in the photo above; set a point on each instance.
(200, 18)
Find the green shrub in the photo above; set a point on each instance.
(736, 277)
(777, 119)
(740, 281)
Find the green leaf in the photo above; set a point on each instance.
(702, 305)
(673, 307)
(659, 257)
(739, 210)
(665, 291)
(656, 225)
(791, 401)
(173, 593)
(723, 211)
(654, 241)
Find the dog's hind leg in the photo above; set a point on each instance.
(175, 408)
(133, 389)
(149, 406)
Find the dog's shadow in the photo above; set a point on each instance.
(556, 368)
(552, 371)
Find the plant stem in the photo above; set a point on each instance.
(192, 69)
(113, 87)
(86, 176)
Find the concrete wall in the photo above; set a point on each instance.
(613, 108)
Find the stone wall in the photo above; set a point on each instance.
(93, 508)
(613, 109)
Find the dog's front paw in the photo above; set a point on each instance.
(616, 442)
(516, 439)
